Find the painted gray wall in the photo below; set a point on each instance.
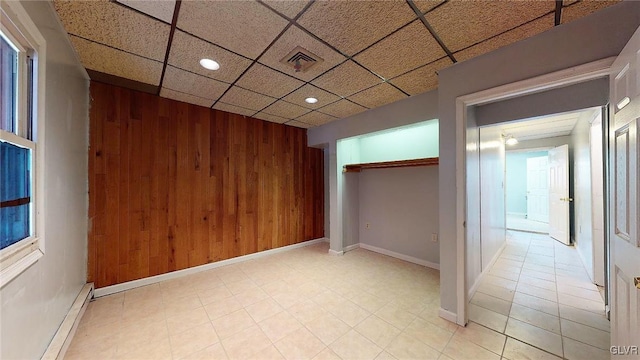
(582, 200)
(595, 37)
(401, 206)
(35, 303)
(473, 249)
(516, 183)
(582, 95)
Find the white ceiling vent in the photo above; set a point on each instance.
(301, 59)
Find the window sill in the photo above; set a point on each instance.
(32, 253)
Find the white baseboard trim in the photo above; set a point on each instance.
(448, 315)
(351, 247)
(62, 339)
(517, 214)
(476, 284)
(396, 255)
(108, 290)
(335, 253)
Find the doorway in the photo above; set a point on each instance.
(527, 190)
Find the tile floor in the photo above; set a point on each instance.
(539, 293)
(520, 223)
(290, 306)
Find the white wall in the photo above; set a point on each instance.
(594, 37)
(492, 192)
(401, 207)
(516, 180)
(410, 142)
(597, 200)
(35, 303)
(582, 201)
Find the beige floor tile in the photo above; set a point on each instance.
(534, 336)
(538, 274)
(279, 325)
(428, 333)
(586, 334)
(369, 302)
(585, 317)
(328, 328)
(185, 320)
(263, 309)
(213, 352)
(431, 314)
(241, 286)
(487, 318)
(395, 315)
(515, 350)
(173, 307)
(458, 349)
(233, 323)
(536, 303)
(491, 303)
(377, 330)
(269, 353)
(245, 343)
(251, 296)
(496, 291)
(152, 310)
(327, 354)
(300, 345)
(385, 356)
(349, 312)
(288, 299)
(575, 350)
(536, 318)
(528, 289)
(192, 340)
(593, 295)
(540, 283)
(133, 336)
(355, 346)
(212, 295)
(306, 311)
(480, 335)
(580, 303)
(409, 348)
(222, 307)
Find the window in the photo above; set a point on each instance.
(21, 147)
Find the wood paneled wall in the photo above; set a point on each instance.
(174, 185)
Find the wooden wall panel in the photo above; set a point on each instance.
(174, 185)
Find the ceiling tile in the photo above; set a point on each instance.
(346, 79)
(260, 78)
(583, 8)
(233, 109)
(272, 118)
(422, 79)
(342, 109)
(298, 97)
(510, 37)
(193, 84)
(426, 5)
(245, 27)
(292, 38)
(116, 62)
(188, 98)
(351, 26)
(162, 10)
(285, 109)
(377, 96)
(403, 51)
(247, 99)
(108, 23)
(298, 124)
(287, 8)
(463, 23)
(316, 118)
(187, 50)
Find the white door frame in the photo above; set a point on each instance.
(572, 75)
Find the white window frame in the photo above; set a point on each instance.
(20, 30)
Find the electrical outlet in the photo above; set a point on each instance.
(434, 237)
(368, 225)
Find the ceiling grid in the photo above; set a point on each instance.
(373, 52)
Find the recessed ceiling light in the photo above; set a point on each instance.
(311, 100)
(209, 64)
(511, 141)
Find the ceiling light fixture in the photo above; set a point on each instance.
(311, 100)
(209, 64)
(511, 140)
(624, 102)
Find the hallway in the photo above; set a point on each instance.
(539, 293)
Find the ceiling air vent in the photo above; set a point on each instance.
(301, 59)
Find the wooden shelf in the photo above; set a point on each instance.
(391, 164)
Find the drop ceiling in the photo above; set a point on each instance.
(373, 52)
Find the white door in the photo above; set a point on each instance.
(559, 193)
(623, 197)
(538, 189)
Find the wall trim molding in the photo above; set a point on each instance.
(396, 255)
(484, 272)
(108, 290)
(351, 247)
(67, 330)
(447, 315)
(335, 253)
